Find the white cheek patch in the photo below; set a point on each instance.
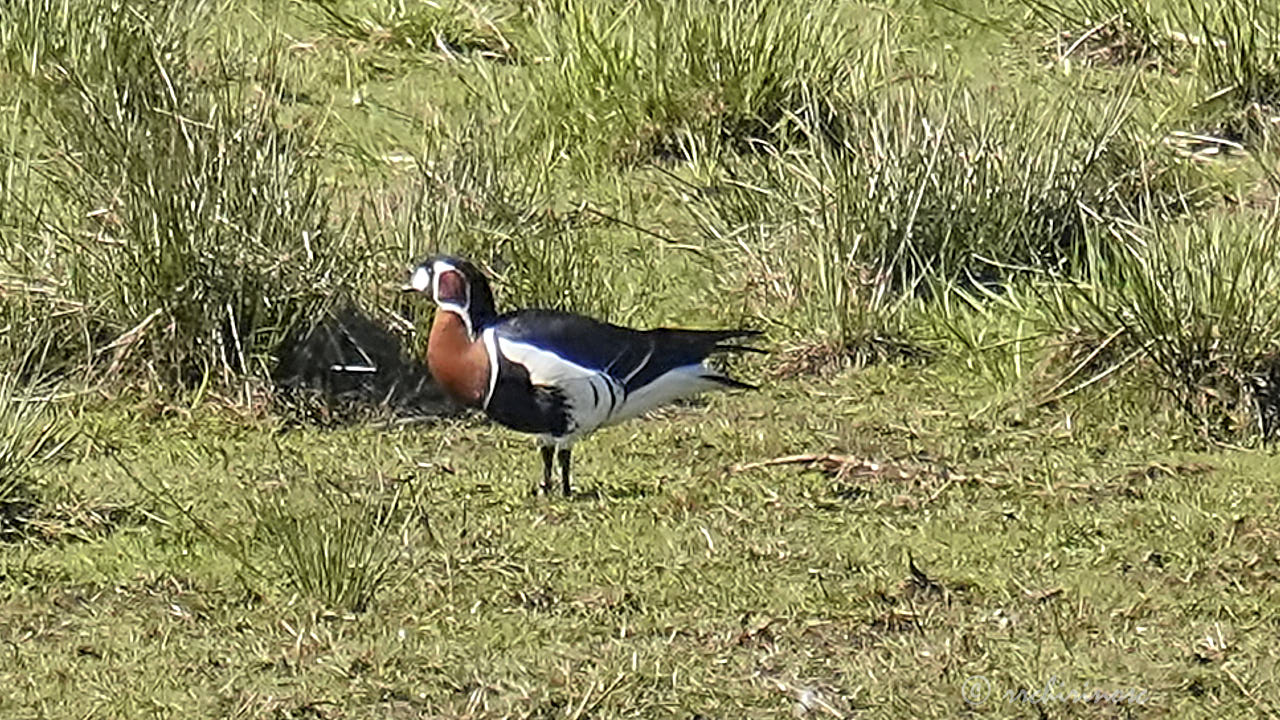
(421, 279)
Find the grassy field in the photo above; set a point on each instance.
(1018, 264)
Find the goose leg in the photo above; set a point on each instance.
(548, 453)
(564, 471)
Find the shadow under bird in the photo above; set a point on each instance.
(557, 374)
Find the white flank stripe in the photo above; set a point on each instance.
(638, 368)
(491, 347)
(587, 392)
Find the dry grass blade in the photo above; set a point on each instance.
(839, 465)
(30, 432)
(1119, 365)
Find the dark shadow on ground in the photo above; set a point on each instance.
(350, 363)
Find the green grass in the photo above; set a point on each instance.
(1015, 261)
(645, 80)
(677, 586)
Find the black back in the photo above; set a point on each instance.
(633, 357)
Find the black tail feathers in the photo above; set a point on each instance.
(713, 341)
(721, 347)
(729, 382)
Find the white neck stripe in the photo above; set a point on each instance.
(457, 309)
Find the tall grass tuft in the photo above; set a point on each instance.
(30, 432)
(335, 546)
(476, 197)
(990, 332)
(1107, 32)
(188, 221)
(1201, 303)
(1233, 46)
(1237, 46)
(418, 26)
(925, 184)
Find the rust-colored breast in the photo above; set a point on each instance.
(458, 363)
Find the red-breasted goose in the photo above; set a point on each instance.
(556, 374)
